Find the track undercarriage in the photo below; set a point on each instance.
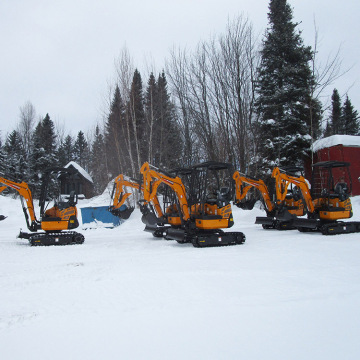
(269, 222)
(53, 238)
(327, 228)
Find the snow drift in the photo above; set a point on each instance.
(126, 295)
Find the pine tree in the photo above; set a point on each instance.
(328, 129)
(2, 159)
(139, 138)
(48, 135)
(15, 157)
(284, 88)
(349, 119)
(117, 156)
(97, 163)
(168, 133)
(66, 151)
(43, 154)
(150, 115)
(81, 151)
(335, 117)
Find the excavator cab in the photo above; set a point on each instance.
(210, 193)
(63, 214)
(331, 189)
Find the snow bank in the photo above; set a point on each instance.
(124, 294)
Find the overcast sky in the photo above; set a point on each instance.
(59, 55)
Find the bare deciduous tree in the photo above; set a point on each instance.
(27, 124)
(214, 90)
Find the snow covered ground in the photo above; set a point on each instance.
(126, 295)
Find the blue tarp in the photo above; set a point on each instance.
(99, 214)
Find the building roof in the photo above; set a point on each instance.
(345, 140)
(81, 171)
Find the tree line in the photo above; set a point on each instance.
(234, 98)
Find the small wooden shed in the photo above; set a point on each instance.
(82, 182)
(340, 148)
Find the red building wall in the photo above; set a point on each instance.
(343, 153)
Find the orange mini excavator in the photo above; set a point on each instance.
(200, 211)
(328, 200)
(56, 221)
(280, 210)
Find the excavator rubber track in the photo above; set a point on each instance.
(206, 238)
(269, 222)
(218, 239)
(340, 227)
(59, 238)
(327, 228)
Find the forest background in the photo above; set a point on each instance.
(236, 98)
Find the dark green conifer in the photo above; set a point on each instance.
(349, 119)
(284, 91)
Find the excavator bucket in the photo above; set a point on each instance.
(246, 205)
(149, 219)
(123, 213)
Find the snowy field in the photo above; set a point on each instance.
(126, 295)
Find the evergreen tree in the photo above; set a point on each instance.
(284, 88)
(116, 141)
(66, 151)
(15, 160)
(48, 135)
(328, 129)
(169, 141)
(349, 119)
(43, 154)
(2, 160)
(150, 115)
(335, 117)
(139, 138)
(97, 164)
(81, 151)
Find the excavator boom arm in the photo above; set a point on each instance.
(282, 182)
(256, 183)
(119, 195)
(25, 193)
(153, 178)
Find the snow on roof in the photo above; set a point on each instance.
(80, 170)
(346, 140)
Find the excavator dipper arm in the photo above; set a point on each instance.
(27, 202)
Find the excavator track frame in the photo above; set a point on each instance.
(53, 238)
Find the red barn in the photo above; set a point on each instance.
(341, 148)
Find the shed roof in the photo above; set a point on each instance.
(82, 172)
(345, 140)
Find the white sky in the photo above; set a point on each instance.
(59, 55)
